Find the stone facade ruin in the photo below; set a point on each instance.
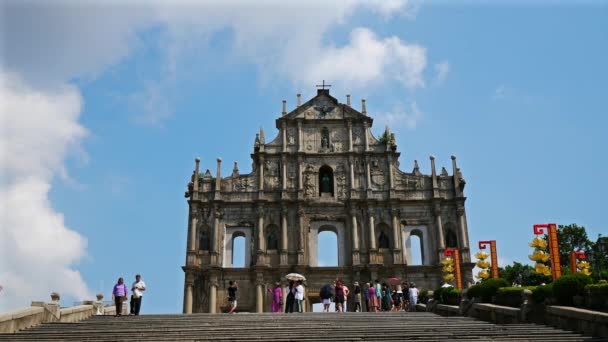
(324, 171)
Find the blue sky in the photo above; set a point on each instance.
(106, 107)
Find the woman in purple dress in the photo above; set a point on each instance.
(277, 297)
(119, 294)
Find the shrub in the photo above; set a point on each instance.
(568, 286)
(423, 296)
(511, 296)
(486, 289)
(447, 295)
(542, 292)
(598, 296)
(597, 289)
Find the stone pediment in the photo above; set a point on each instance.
(324, 107)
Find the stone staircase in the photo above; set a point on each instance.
(294, 327)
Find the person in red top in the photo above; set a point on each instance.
(339, 295)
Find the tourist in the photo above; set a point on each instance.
(413, 296)
(357, 292)
(398, 298)
(366, 297)
(386, 298)
(325, 293)
(119, 295)
(138, 288)
(406, 296)
(277, 297)
(299, 296)
(232, 295)
(378, 295)
(373, 301)
(346, 293)
(290, 297)
(339, 295)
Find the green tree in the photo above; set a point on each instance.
(522, 274)
(572, 238)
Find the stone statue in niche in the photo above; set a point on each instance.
(273, 242)
(325, 183)
(324, 138)
(309, 186)
(383, 241)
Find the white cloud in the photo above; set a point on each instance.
(441, 72)
(500, 92)
(401, 116)
(37, 250)
(367, 59)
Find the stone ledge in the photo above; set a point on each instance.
(591, 323)
(505, 310)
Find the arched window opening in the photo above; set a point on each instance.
(327, 249)
(383, 236)
(326, 180)
(451, 240)
(238, 249)
(203, 239)
(272, 239)
(416, 248)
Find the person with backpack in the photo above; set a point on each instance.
(289, 302)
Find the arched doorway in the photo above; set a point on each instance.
(327, 248)
(238, 249)
(416, 245)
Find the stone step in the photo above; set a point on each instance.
(295, 327)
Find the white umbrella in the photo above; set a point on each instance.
(295, 276)
(446, 285)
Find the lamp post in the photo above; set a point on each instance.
(551, 230)
(454, 252)
(493, 255)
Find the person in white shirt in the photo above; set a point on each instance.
(299, 296)
(137, 289)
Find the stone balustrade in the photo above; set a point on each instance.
(41, 312)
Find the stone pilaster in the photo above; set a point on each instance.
(189, 283)
(301, 236)
(259, 297)
(355, 237)
(284, 242)
(397, 256)
(218, 180)
(261, 241)
(194, 213)
(213, 285)
(215, 260)
(440, 238)
(350, 135)
(366, 131)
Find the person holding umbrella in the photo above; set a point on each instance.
(290, 297)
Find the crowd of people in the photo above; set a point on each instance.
(373, 297)
(120, 294)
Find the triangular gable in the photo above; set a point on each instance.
(324, 106)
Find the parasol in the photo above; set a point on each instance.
(393, 281)
(295, 276)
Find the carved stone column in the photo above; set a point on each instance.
(464, 238)
(368, 175)
(189, 294)
(284, 242)
(261, 174)
(216, 237)
(391, 182)
(350, 136)
(300, 171)
(355, 236)
(284, 135)
(301, 236)
(300, 140)
(365, 129)
(192, 229)
(259, 297)
(397, 256)
(213, 285)
(218, 179)
(261, 240)
(373, 251)
(441, 244)
(284, 172)
(351, 168)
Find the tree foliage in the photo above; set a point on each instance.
(521, 274)
(572, 238)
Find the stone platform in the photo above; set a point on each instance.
(294, 327)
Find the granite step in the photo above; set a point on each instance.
(295, 327)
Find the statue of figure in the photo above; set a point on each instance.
(383, 240)
(309, 186)
(325, 138)
(325, 183)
